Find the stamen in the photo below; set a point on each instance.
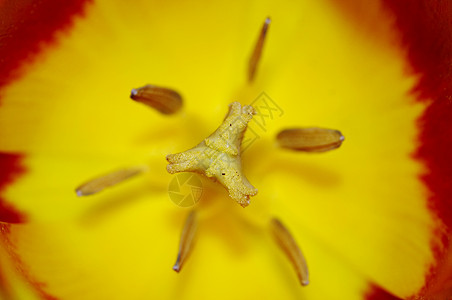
(287, 243)
(255, 57)
(218, 156)
(186, 241)
(310, 139)
(164, 100)
(98, 184)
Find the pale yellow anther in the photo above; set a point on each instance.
(218, 156)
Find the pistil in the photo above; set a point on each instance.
(218, 156)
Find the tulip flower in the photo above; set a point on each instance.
(284, 206)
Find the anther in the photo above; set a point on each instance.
(164, 100)
(98, 184)
(186, 240)
(310, 139)
(257, 52)
(290, 248)
(219, 154)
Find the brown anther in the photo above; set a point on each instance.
(164, 100)
(218, 156)
(257, 52)
(98, 184)
(310, 139)
(290, 248)
(186, 241)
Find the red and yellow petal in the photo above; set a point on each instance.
(11, 165)
(359, 212)
(364, 200)
(27, 28)
(427, 35)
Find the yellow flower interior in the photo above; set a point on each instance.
(359, 212)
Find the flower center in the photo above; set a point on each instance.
(218, 156)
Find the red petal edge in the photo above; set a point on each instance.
(377, 293)
(27, 25)
(11, 168)
(39, 287)
(426, 32)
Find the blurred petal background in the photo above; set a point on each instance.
(372, 217)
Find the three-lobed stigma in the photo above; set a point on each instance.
(218, 156)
